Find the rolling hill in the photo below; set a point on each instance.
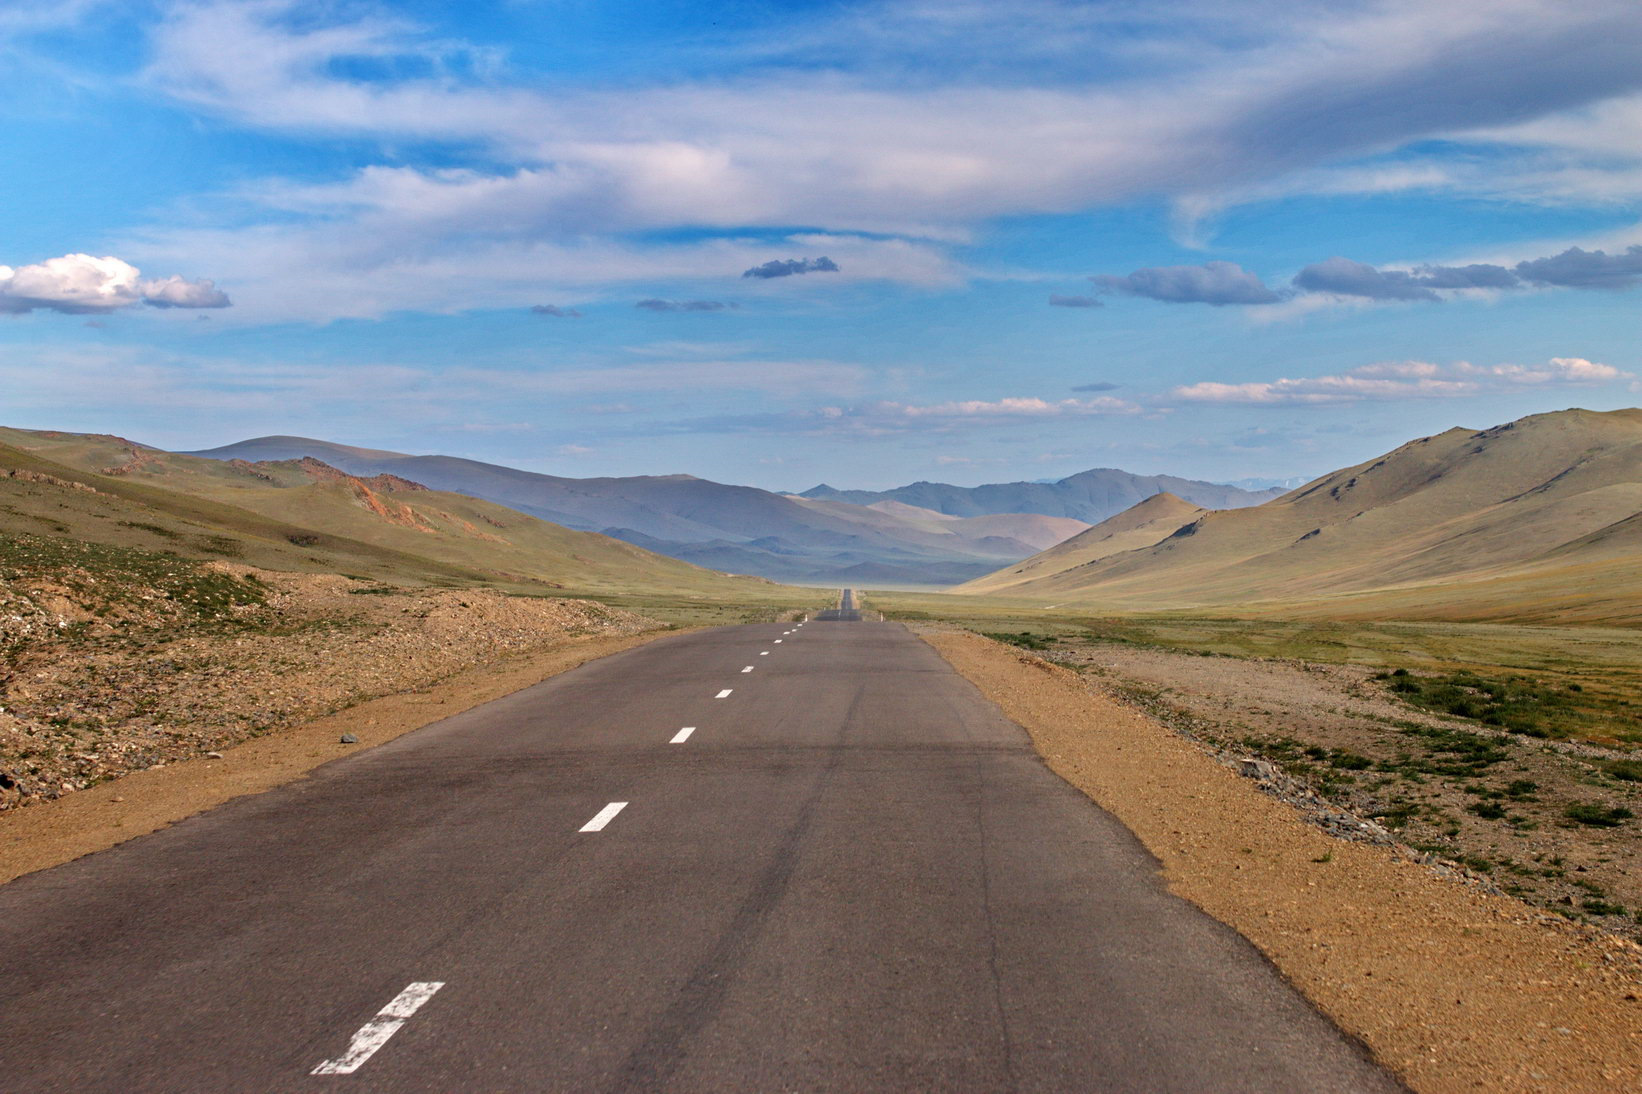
(737, 528)
(1141, 525)
(1089, 496)
(304, 515)
(1535, 519)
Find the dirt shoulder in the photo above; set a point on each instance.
(53, 832)
(1496, 802)
(1449, 985)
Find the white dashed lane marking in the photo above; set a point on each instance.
(682, 735)
(723, 694)
(749, 668)
(763, 653)
(604, 817)
(375, 1033)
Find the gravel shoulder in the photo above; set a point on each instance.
(1450, 983)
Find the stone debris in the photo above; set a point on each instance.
(89, 693)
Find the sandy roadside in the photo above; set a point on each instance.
(53, 832)
(1451, 988)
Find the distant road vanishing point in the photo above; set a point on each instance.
(765, 857)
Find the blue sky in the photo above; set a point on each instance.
(1167, 236)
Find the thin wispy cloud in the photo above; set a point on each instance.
(1401, 380)
(654, 304)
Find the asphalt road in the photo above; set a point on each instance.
(852, 874)
(846, 612)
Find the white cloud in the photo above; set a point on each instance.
(923, 139)
(1400, 380)
(81, 283)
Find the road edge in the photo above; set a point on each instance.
(46, 834)
(1449, 987)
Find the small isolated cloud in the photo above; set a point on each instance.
(682, 305)
(1580, 269)
(1402, 380)
(1101, 385)
(787, 267)
(556, 312)
(78, 284)
(573, 450)
(1216, 283)
(1075, 302)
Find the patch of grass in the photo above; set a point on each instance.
(1517, 703)
(1451, 752)
(1597, 816)
(1625, 770)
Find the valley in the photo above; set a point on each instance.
(1427, 662)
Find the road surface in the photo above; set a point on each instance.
(846, 612)
(757, 858)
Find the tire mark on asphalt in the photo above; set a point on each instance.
(666, 1044)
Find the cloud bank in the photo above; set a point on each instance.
(1223, 283)
(78, 284)
(926, 120)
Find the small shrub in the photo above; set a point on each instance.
(1597, 816)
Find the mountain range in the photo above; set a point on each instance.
(1090, 496)
(1537, 519)
(813, 537)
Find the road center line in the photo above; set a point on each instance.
(682, 735)
(375, 1033)
(749, 668)
(778, 641)
(763, 653)
(723, 693)
(604, 817)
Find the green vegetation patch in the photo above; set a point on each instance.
(104, 578)
(1520, 704)
(1598, 816)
